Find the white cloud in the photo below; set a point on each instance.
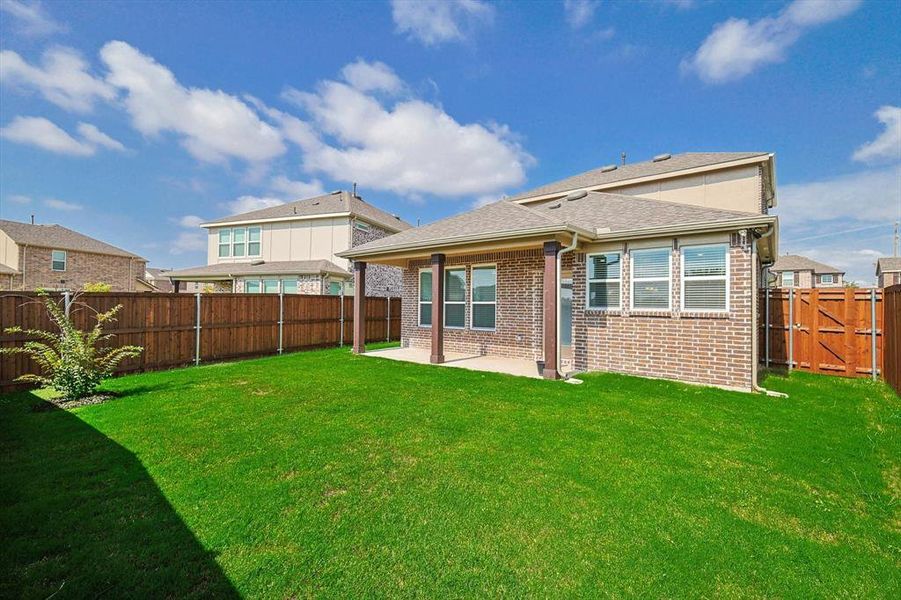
(370, 77)
(188, 241)
(296, 190)
(245, 204)
(737, 47)
(39, 132)
(190, 221)
(886, 146)
(94, 136)
(62, 204)
(19, 199)
(433, 22)
(485, 200)
(410, 147)
(579, 13)
(869, 196)
(214, 126)
(63, 78)
(30, 17)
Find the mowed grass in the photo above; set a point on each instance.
(327, 474)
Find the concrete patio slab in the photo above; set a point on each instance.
(493, 364)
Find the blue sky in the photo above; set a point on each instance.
(132, 122)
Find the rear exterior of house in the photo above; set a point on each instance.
(888, 271)
(792, 270)
(657, 286)
(53, 257)
(293, 248)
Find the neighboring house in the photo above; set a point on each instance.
(157, 278)
(791, 270)
(888, 271)
(56, 258)
(294, 247)
(648, 269)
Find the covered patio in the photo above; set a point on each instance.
(473, 362)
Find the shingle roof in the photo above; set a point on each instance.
(58, 237)
(4, 270)
(889, 263)
(595, 177)
(287, 267)
(339, 202)
(793, 262)
(595, 211)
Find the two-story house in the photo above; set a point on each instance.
(293, 248)
(53, 257)
(888, 271)
(792, 270)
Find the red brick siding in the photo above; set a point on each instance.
(81, 268)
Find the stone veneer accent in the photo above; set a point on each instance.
(381, 280)
(120, 272)
(708, 348)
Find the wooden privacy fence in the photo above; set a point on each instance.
(891, 362)
(181, 329)
(831, 331)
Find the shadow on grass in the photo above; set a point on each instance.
(81, 516)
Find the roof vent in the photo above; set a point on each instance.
(662, 157)
(608, 168)
(576, 195)
(314, 203)
(256, 263)
(557, 205)
(335, 193)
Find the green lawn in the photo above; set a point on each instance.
(326, 474)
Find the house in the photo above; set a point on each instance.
(158, 280)
(888, 271)
(54, 257)
(648, 269)
(791, 270)
(294, 248)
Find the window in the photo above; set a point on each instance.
(484, 297)
(334, 288)
(705, 278)
(651, 278)
(425, 298)
(225, 243)
(604, 280)
(455, 298)
(253, 241)
(58, 260)
(252, 286)
(788, 278)
(270, 286)
(239, 239)
(827, 278)
(289, 286)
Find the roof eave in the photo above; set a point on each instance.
(703, 227)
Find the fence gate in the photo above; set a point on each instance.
(829, 331)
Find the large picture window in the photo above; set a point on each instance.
(484, 297)
(604, 280)
(651, 273)
(425, 298)
(455, 298)
(705, 278)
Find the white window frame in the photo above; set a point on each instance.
(259, 282)
(220, 243)
(633, 280)
(473, 302)
(725, 277)
(278, 287)
(782, 278)
(248, 242)
(245, 244)
(65, 261)
(420, 302)
(830, 276)
(445, 302)
(589, 281)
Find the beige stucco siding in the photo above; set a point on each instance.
(311, 239)
(738, 188)
(9, 252)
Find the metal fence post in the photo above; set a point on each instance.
(341, 319)
(875, 363)
(281, 318)
(197, 329)
(766, 327)
(791, 328)
(67, 302)
(388, 334)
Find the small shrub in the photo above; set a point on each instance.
(69, 359)
(97, 286)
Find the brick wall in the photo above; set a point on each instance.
(707, 348)
(81, 267)
(381, 280)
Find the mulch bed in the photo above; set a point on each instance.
(66, 404)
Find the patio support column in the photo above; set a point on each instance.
(176, 286)
(437, 356)
(359, 307)
(551, 297)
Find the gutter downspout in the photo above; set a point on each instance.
(755, 386)
(560, 253)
